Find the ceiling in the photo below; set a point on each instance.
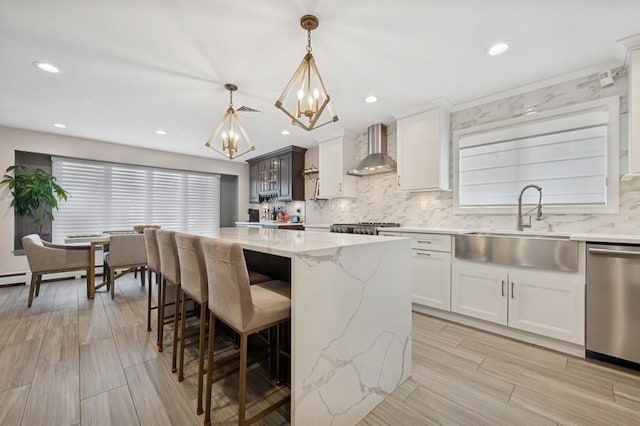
(130, 68)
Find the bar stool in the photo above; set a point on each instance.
(246, 308)
(153, 266)
(193, 275)
(170, 271)
(127, 253)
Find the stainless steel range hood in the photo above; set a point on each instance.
(378, 161)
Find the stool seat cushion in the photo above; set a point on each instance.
(272, 303)
(257, 278)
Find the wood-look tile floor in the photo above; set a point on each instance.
(69, 361)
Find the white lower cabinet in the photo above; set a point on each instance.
(431, 278)
(541, 302)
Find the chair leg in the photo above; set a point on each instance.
(183, 321)
(142, 275)
(242, 395)
(38, 280)
(175, 329)
(203, 326)
(112, 282)
(149, 302)
(161, 296)
(32, 288)
(212, 335)
(88, 285)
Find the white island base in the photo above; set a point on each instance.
(351, 319)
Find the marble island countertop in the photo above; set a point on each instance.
(615, 238)
(288, 243)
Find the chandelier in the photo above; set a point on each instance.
(305, 93)
(229, 135)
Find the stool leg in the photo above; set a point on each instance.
(212, 335)
(278, 376)
(203, 326)
(149, 302)
(174, 362)
(242, 395)
(183, 320)
(163, 291)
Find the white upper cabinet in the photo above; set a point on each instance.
(633, 44)
(336, 156)
(423, 148)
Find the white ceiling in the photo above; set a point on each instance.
(131, 67)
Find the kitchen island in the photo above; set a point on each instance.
(351, 319)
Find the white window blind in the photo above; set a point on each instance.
(109, 197)
(568, 156)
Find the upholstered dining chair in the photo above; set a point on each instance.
(139, 229)
(153, 267)
(245, 308)
(46, 258)
(127, 253)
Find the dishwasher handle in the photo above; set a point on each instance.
(615, 252)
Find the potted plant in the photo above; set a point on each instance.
(35, 194)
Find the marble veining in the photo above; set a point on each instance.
(377, 199)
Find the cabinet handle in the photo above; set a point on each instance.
(424, 241)
(512, 290)
(340, 186)
(502, 287)
(398, 180)
(420, 253)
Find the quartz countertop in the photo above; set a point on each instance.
(289, 243)
(317, 225)
(271, 223)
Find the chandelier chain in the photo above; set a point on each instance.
(230, 99)
(309, 41)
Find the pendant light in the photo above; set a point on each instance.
(305, 94)
(229, 135)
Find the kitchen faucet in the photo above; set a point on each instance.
(522, 225)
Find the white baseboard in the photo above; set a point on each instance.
(534, 339)
(14, 278)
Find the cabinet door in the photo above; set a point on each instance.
(264, 176)
(254, 182)
(431, 278)
(284, 179)
(547, 303)
(423, 157)
(479, 290)
(331, 168)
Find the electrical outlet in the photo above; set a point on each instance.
(423, 206)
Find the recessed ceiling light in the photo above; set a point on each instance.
(161, 132)
(60, 125)
(370, 99)
(498, 49)
(45, 66)
(285, 132)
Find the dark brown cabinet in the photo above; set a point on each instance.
(277, 175)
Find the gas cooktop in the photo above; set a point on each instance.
(364, 228)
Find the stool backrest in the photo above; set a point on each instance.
(153, 252)
(228, 279)
(193, 271)
(169, 262)
(127, 250)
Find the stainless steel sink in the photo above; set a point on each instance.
(541, 251)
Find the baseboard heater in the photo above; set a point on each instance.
(16, 278)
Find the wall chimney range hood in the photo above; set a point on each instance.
(378, 161)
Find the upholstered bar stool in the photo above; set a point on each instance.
(153, 266)
(246, 308)
(127, 253)
(170, 271)
(139, 229)
(193, 276)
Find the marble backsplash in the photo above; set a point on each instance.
(377, 198)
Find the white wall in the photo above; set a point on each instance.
(12, 139)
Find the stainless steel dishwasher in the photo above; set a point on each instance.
(613, 302)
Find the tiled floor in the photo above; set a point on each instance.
(68, 361)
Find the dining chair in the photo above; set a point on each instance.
(127, 253)
(46, 258)
(245, 308)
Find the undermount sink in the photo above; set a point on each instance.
(541, 251)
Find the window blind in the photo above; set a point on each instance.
(114, 197)
(567, 157)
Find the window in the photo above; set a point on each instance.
(108, 196)
(572, 154)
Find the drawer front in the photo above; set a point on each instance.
(436, 242)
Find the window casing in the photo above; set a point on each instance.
(113, 197)
(572, 153)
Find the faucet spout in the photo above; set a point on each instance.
(521, 225)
